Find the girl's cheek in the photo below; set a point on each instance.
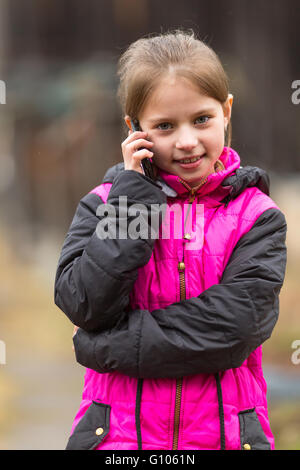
(157, 149)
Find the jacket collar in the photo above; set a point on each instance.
(212, 187)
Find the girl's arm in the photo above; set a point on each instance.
(95, 276)
(206, 334)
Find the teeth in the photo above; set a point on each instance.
(190, 160)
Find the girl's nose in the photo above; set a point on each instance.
(186, 140)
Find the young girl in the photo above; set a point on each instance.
(171, 327)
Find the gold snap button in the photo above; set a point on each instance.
(99, 431)
(187, 236)
(247, 447)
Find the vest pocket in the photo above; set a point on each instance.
(251, 433)
(91, 429)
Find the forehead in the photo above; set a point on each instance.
(176, 94)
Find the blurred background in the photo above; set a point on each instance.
(61, 129)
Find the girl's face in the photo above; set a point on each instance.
(186, 127)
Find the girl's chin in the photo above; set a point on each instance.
(192, 177)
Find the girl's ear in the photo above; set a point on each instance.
(128, 122)
(227, 108)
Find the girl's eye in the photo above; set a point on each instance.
(164, 126)
(202, 120)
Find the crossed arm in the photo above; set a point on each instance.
(215, 331)
(212, 332)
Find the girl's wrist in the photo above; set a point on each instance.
(134, 168)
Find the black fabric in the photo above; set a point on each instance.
(84, 436)
(246, 177)
(206, 334)
(251, 431)
(243, 177)
(113, 172)
(91, 271)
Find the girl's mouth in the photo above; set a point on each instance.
(191, 162)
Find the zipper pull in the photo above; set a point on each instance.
(192, 195)
(181, 266)
(193, 191)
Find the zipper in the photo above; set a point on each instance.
(177, 413)
(192, 191)
(181, 269)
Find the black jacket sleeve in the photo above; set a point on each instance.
(206, 334)
(95, 275)
(246, 177)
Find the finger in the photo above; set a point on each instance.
(141, 154)
(133, 136)
(139, 144)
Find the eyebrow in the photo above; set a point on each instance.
(168, 118)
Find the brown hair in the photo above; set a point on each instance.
(177, 52)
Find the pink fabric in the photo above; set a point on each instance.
(158, 286)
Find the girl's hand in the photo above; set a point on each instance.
(131, 154)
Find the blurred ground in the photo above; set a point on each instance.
(41, 384)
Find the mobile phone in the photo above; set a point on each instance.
(145, 163)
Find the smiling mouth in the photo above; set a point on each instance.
(190, 159)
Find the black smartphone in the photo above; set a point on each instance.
(146, 164)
